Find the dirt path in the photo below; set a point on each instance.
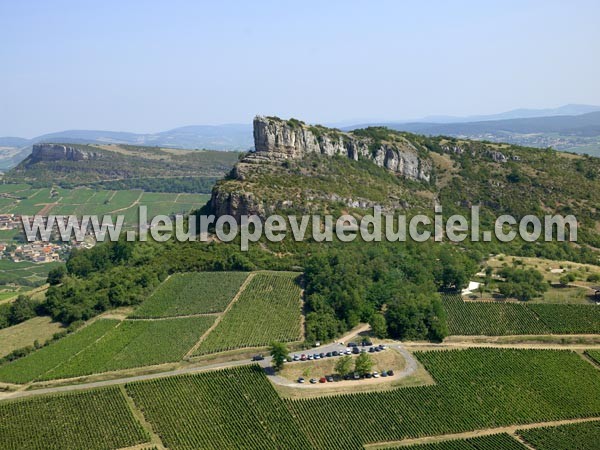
(220, 316)
(483, 432)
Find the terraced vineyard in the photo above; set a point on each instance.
(268, 310)
(476, 388)
(578, 436)
(490, 319)
(135, 344)
(41, 361)
(492, 442)
(192, 293)
(92, 420)
(499, 319)
(234, 408)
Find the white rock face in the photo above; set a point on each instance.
(278, 139)
(57, 152)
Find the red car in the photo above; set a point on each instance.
(303, 357)
(322, 380)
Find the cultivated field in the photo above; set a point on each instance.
(234, 408)
(47, 358)
(500, 441)
(269, 309)
(92, 420)
(476, 389)
(26, 200)
(133, 344)
(500, 319)
(576, 436)
(192, 293)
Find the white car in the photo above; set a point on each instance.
(296, 357)
(348, 351)
(375, 374)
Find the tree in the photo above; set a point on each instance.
(56, 275)
(378, 325)
(343, 366)
(280, 353)
(22, 309)
(363, 363)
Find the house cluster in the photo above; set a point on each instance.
(39, 252)
(10, 221)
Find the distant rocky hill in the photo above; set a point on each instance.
(577, 133)
(78, 164)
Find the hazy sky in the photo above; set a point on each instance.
(150, 66)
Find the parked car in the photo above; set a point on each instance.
(328, 354)
(317, 344)
(371, 350)
(313, 381)
(377, 349)
(348, 351)
(300, 380)
(322, 355)
(384, 373)
(316, 356)
(258, 358)
(363, 350)
(367, 342)
(302, 357)
(390, 373)
(375, 374)
(352, 344)
(355, 350)
(368, 375)
(310, 357)
(330, 379)
(356, 376)
(335, 353)
(322, 380)
(296, 357)
(382, 346)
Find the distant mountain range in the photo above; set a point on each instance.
(569, 127)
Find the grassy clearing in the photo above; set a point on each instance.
(26, 333)
(92, 420)
(192, 293)
(269, 309)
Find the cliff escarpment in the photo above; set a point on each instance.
(306, 168)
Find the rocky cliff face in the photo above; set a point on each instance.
(61, 152)
(279, 139)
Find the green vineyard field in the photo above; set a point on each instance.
(41, 361)
(594, 355)
(268, 310)
(234, 408)
(92, 420)
(501, 319)
(490, 319)
(579, 436)
(492, 442)
(192, 293)
(568, 319)
(476, 388)
(135, 343)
